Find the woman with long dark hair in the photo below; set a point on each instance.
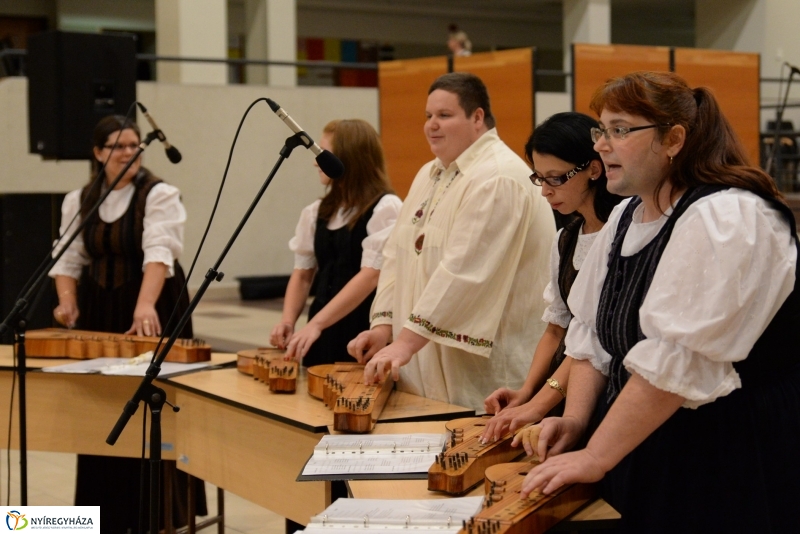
(126, 261)
(573, 180)
(339, 241)
(685, 328)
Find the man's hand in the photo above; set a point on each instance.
(368, 342)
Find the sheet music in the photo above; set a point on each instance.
(375, 454)
(379, 515)
(123, 367)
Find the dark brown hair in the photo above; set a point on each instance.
(364, 181)
(712, 152)
(567, 136)
(102, 136)
(471, 93)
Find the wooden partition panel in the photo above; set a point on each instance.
(593, 65)
(733, 77)
(508, 76)
(403, 89)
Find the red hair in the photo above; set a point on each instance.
(712, 152)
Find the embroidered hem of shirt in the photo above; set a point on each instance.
(427, 325)
(381, 314)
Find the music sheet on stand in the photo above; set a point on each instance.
(374, 454)
(379, 515)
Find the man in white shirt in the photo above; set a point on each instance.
(465, 267)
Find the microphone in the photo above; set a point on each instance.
(328, 163)
(172, 153)
(794, 70)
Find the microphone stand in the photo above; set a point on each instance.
(16, 319)
(153, 396)
(776, 140)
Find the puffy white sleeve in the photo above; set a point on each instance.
(581, 341)
(302, 244)
(556, 311)
(379, 227)
(727, 269)
(72, 262)
(164, 219)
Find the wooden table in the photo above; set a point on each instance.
(598, 514)
(239, 436)
(75, 412)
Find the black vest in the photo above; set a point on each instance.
(338, 254)
(567, 273)
(629, 279)
(115, 248)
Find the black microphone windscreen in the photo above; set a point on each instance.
(173, 154)
(330, 164)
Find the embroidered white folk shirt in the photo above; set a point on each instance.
(465, 267)
(726, 270)
(162, 239)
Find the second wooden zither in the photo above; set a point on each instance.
(463, 463)
(506, 512)
(268, 366)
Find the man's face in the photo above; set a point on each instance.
(448, 129)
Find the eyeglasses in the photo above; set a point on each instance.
(555, 181)
(618, 132)
(131, 146)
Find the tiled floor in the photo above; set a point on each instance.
(229, 325)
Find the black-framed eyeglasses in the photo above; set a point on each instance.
(130, 146)
(618, 132)
(555, 181)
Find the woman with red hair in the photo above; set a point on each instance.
(685, 328)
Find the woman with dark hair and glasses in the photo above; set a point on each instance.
(573, 181)
(126, 260)
(685, 332)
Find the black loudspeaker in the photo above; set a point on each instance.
(29, 224)
(74, 80)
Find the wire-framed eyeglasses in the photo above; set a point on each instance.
(618, 132)
(555, 181)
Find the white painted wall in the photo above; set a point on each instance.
(548, 104)
(201, 121)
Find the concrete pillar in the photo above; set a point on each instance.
(192, 28)
(271, 34)
(585, 21)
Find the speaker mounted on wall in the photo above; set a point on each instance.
(74, 80)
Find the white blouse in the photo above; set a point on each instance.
(379, 227)
(726, 270)
(162, 239)
(556, 311)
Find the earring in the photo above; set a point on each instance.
(670, 160)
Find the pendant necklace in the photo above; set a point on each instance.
(420, 213)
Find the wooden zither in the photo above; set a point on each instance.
(506, 512)
(268, 366)
(356, 406)
(86, 344)
(465, 459)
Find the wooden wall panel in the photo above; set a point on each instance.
(508, 76)
(593, 65)
(403, 89)
(733, 77)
